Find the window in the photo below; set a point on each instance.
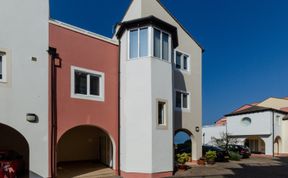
(246, 121)
(149, 41)
(161, 45)
(2, 67)
(161, 113)
(87, 84)
(182, 61)
(182, 100)
(138, 43)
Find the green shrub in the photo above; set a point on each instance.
(210, 155)
(234, 156)
(182, 158)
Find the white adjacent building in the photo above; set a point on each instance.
(261, 126)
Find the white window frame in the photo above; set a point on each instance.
(4, 67)
(88, 96)
(182, 61)
(165, 125)
(169, 45)
(150, 44)
(188, 100)
(138, 41)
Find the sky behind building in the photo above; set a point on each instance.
(245, 41)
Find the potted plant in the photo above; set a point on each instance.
(201, 161)
(210, 157)
(181, 160)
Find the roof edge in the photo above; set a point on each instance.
(83, 31)
(177, 21)
(250, 112)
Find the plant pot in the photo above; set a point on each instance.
(182, 167)
(201, 162)
(210, 161)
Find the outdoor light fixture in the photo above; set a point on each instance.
(197, 129)
(30, 117)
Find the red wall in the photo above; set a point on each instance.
(87, 52)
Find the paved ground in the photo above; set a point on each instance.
(84, 169)
(246, 168)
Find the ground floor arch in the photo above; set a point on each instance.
(256, 144)
(85, 151)
(278, 145)
(184, 142)
(14, 142)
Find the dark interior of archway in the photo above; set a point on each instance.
(10, 139)
(84, 143)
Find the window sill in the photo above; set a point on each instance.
(87, 97)
(182, 71)
(182, 109)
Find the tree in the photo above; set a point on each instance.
(224, 140)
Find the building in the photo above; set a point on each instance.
(260, 126)
(72, 97)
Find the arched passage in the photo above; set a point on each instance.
(85, 150)
(278, 145)
(256, 144)
(183, 142)
(16, 147)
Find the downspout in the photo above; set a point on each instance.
(53, 55)
(119, 112)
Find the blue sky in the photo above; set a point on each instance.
(245, 41)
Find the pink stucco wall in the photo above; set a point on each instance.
(76, 49)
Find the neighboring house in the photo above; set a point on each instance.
(69, 95)
(262, 126)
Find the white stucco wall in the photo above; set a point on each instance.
(162, 139)
(23, 35)
(261, 124)
(212, 131)
(144, 147)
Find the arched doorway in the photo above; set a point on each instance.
(183, 142)
(85, 151)
(256, 144)
(16, 146)
(278, 145)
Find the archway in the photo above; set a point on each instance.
(16, 146)
(278, 145)
(85, 151)
(256, 144)
(183, 142)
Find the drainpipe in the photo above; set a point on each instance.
(273, 130)
(119, 112)
(53, 55)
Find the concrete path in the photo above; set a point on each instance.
(246, 168)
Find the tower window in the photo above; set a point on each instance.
(182, 100)
(138, 43)
(182, 61)
(2, 67)
(161, 113)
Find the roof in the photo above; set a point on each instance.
(176, 20)
(149, 20)
(82, 31)
(255, 109)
